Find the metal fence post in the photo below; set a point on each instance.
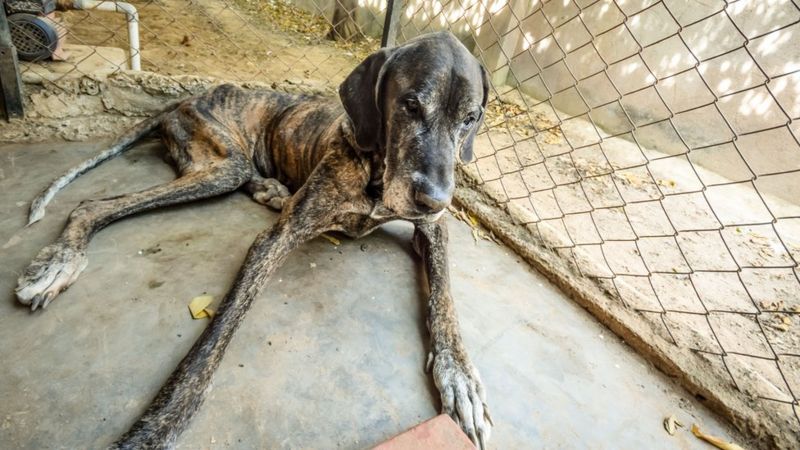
(393, 8)
(10, 82)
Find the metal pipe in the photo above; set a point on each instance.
(10, 82)
(5, 31)
(393, 8)
(131, 15)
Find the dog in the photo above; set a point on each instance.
(387, 151)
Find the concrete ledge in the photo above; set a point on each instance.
(77, 108)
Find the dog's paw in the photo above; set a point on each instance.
(270, 192)
(463, 395)
(54, 269)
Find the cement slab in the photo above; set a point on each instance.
(80, 60)
(331, 354)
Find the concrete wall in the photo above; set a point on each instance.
(78, 107)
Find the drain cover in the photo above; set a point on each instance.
(33, 36)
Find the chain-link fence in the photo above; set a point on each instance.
(311, 45)
(650, 145)
(654, 144)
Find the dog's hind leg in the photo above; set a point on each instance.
(58, 265)
(311, 211)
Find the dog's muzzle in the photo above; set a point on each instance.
(430, 198)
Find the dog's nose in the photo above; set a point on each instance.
(431, 200)
(432, 193)
(430, 204)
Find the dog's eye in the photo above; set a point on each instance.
(412, 106)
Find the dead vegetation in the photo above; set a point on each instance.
(282, 15)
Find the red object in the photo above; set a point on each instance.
(439, 433)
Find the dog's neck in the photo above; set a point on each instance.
(346, 125)
(374, 159)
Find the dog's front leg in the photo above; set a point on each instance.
(458, 381)
(183, 393)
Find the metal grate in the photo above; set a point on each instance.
(28, 38)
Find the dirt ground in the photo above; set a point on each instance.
(242, 40)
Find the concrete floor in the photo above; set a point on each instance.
(332, 353)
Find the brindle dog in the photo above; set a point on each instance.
(390, 154)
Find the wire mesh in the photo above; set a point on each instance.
(652, 144)
(655, 145)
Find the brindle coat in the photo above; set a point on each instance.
(390, 154)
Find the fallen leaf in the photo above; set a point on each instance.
(782, 327)
(715, 441)
(331, 239)
(671, 424)
(198, 307)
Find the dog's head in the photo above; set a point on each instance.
(418, 105)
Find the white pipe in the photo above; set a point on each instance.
(133, 23)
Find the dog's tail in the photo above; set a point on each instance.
(122, 144)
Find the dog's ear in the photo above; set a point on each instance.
(466, 148)
(360, 92)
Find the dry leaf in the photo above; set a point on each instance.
(715, 441)
(198, 307)
(331, 239)
(782, 327)
(671, 424)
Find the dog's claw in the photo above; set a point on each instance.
(48, 298)
(487, 415)
(463, 396)
(35, 303)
